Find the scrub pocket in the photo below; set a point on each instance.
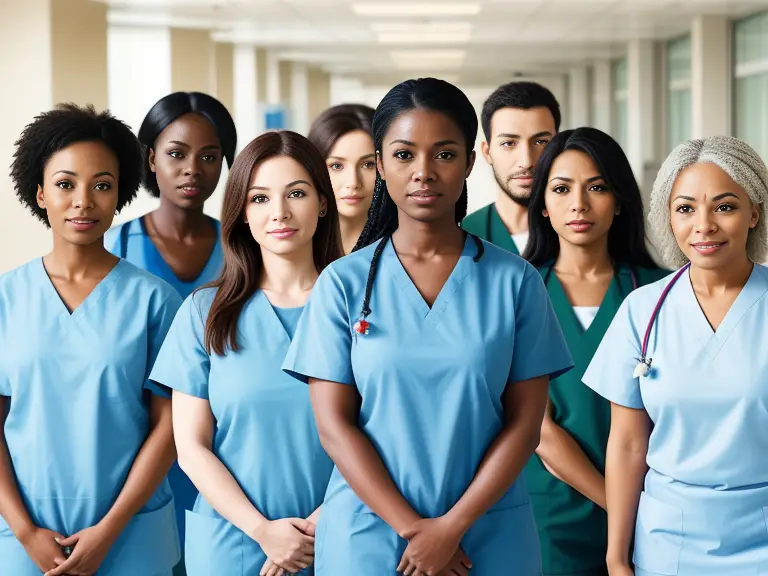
(658, 536)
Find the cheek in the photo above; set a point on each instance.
(369, 180)
(336, 181)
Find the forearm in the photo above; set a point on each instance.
(624, 474)
(565, 459)
(362, 468)
(220, 489)
(12, 507)
(499, 469)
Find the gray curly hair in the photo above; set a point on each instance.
(737, 159)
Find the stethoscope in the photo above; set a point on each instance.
(644, 363)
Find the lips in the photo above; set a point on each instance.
(283, 233)
(190, 189)
(352, 199)
(82, 224)
(707, 248)
(580, 225)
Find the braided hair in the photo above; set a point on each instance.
(424, 93)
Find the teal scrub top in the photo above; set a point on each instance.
(79, 411)
(487, 224)
(572, 528)
(431, 381)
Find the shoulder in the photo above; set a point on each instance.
(475, 222)
(18, 278)
(651, 275)
(143, 284)
(113, 235)
(639, 304)
(353, 267)
(506, 263)
(200, 302)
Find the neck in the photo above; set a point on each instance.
(288, 274)
(514, 215)
(584, 261)
(75, 262)
(170, 221)
(351, 228)
(427, 238)
(713, 282)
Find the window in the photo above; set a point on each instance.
(621, 127)
(751, 82)
(678, 91)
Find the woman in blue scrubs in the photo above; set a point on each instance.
(684, 367)
(342, 134)
(428, 354)
(87, 439)
(186, 137)
(244, 429)
(588, 242)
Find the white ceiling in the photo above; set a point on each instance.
(477, 40)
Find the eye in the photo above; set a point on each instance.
(541, 142)
(370, 165)
(209, 158)
(446, 155)
(509, 144)
(598, 188)
(65, 185)
(103, 186)
(684, 209)
(259, 198)
(336, 166)
(175, 154)
(725, 208)
(297, 194)
(560, 189)
(403, 155)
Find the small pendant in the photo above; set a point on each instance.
(361, 327)
(642, 368)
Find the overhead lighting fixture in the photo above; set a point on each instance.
(428, 59)
(438, 10)
(410, 27)
(423, 33)
(428, 38)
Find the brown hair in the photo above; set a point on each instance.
(241, 274)
(337, 121)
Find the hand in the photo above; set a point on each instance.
(458, 566)
(620, 569)
(40, 545)
(432, 544)
(271, 569)
(289, 543)
(90, 548)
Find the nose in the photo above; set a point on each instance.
(423, 169)
(280, 211)
(83, 198)
(705, 222)
(353, 180)
(580, 202)
(525, 159)
(193, 166)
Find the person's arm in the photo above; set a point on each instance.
(625, 471)
(565, 460)
(336, 408)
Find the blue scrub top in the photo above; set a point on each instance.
(79, 409)
(704, 507)
(431, 382)
(131, 242)
(265, 432)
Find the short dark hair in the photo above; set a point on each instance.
(57, 129)
(337, 121)
(626, 238)
(525, 95)
(172, 107)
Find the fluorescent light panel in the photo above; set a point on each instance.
(428, 59)
(438, 10)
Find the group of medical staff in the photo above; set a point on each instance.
(348, 375)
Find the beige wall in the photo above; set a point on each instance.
(261, 76)
(225, 81)
(285, 83)
(192, 61)
(319, 84)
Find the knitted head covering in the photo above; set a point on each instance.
(735, 158)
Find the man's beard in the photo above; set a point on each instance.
(504, 184)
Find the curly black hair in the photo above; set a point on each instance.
(171, 107)
(57, 129)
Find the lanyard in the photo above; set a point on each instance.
(644, 363)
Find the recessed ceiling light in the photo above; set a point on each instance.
(424, 38)
(437, 10)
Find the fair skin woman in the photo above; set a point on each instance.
(711, 217)
(352, 167)
(282, 212)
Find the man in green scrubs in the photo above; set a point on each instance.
(519, 119)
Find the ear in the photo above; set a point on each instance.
(545, 213)
(486, 150)
(755, 216)
(151, 159)
(380, 165)
(323, 206)
(40, 197)
(470, 163)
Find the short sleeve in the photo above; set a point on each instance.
(610, 373)
(539, 348)
(183, 363)
(322, 345)
(112, 240)
(159, 325)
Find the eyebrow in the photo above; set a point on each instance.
(208, 147)
(715, 199)
(371, 155)
(569, 180)
(289, 185)
(435, 145)
(70, 173)
(518, 137)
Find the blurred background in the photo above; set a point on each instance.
(650, 72)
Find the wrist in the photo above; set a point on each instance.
(259, 529)
(405, 523)
(458, 523)
(24, 531)
(616, 561)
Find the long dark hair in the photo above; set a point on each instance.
(626, 238)
(425, 93)
(240, 277)
(428, 94)
(168, 109)
(337, 121)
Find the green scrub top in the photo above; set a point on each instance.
(487, 224)
(572, 529)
